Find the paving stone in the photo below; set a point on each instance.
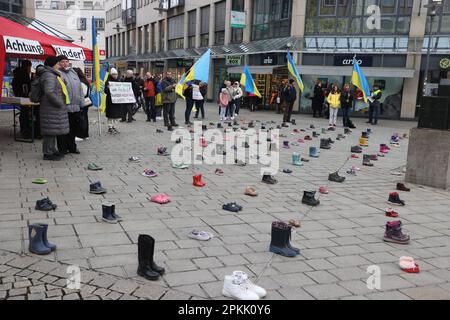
(150, 292)
(17, 292)
(326, 291)
(22, 284)
(124, 286)
(72, 296)
(427, 293)
(188, 277)
(36, 296)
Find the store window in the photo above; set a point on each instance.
(350, 16)
(204, 27)
(271, 19)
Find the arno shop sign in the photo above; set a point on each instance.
(22, 46)
(347, 60)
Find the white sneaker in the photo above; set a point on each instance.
(261, 292)
(239, 291)
(78, 139)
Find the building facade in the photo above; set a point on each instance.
(22, 7)
(388, 37)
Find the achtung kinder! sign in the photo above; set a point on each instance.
(22, 46)
(72, 53)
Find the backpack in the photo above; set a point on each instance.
(35, 91)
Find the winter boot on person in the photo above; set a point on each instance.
(325, 144)
(267, 178)
(313, 153)
(335, 177)
(402, 187)
(296, 161)
(363, 142)
(394, 233)
(309, 198)
(36, 240)
(366, 160)
(197, 181)
(147, 267)
(278, 243)
(107, 213)
(394, 198)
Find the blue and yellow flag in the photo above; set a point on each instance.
(359, 80)
(293, 70)
(99, 75)
(199, 71)
(248, 83)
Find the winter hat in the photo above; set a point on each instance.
(113, 71)
(62, 57)
(51, 61)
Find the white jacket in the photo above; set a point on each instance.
(238, 93)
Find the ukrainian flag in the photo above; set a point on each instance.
(199, 71)
(359, 80)
(99, 75)
(248, 83)
(293, 70)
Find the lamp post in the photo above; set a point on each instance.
(433, 6)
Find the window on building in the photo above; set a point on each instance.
(351, 16)
(69, 4)
(88, 5)
(146, 38)
(441, 23)
(192, 24)
(204, 27)
(38, 4)
(271, 19)
(99, 24)
(175, 34)
(219, 27)
(152, 31)
(54, 5)
(162, 38)
(237, 5)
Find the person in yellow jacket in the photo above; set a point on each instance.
(334, 100)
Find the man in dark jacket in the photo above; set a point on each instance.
(289, 97)
(374, 105)
(317, 99)
(169, 97)
(128, 107)
(54, 101)
(67, 144)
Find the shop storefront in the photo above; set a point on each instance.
(386, 72)
(179, 66)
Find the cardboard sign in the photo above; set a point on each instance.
(70, 52)
(22, 46)
(121, 92)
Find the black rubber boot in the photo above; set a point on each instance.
(308, 198)
(146, 249)
(278, 243)
(335, 177)
(288, 241)
(325, 144)
(107, 215)
(366, 160)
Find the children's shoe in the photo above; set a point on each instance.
(394, 233)
(355, 156)
(250, 191)
(233, 207)
(94, 167)
(197, 181)
(391, 213)
(234, 289)
(394, 198)
(408, 265)
(149, 173)
(160, 198)
(323, 190)
(402, 187)
(219, 172)
(134, 159)
(286, 170)
(200, 235)
(162, 151)
(96, 188)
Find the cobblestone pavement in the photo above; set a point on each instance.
(338, 239)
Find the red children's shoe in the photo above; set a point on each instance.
(198, 181)
(391, 213)
(355, 156)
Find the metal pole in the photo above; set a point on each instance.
(98, 110)
(430, 40)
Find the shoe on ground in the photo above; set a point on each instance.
(179, 165)
(408, 265)
(335, 177)
(200, 235)
(390, 213)
(323, 190)
(402, 187)
(267, 178)
(309, 198)
(294, 223)
(394, 233)
(45, 205)
(234, 289)
(39, 181)
(134, 159)
(231, 207)
(394, 198)
(149, 173)
(94, 167)
(160, 198)
(250, 191)
(96, 188)
(286, 170)
(219, 172)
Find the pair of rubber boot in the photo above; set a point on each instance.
(280, 240)
(37, 235)
(147, 267)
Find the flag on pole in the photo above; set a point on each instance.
(199, 71)
(293, 70)
(248, 83)
(99, 75)
(359, 80)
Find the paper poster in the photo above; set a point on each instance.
(121, 92)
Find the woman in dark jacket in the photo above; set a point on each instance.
(346, 104)
(200, 103)
(83, 120)
(189, 103)
(318, 98)
(53, 108)
(114, 111)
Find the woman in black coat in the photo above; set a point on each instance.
(318, 99)
(114, 111)
(346, 104)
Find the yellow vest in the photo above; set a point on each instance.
(64, 89)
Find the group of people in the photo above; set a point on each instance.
(343, 99)
(230, 100)
(62, 92)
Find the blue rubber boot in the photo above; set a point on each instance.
(45, 239)
(36, 238)
(313, 152)
(278, 244)
(296, 161)
(288, 241)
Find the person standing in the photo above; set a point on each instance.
(318, 98)
(189, 103)
(128, 107)
(224, 101)
(83, 130)
(113, 111)
(374, 105)
(169, 97)
(54, 102)
(231, 105)
(67, 144)
(289, 97)
(334, 100)
(149, 96)
(198, 94)
(346, 104)
(237, 97)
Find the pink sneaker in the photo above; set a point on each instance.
(355, 168)
(160, 198)
(323, 190)
(301, 141)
